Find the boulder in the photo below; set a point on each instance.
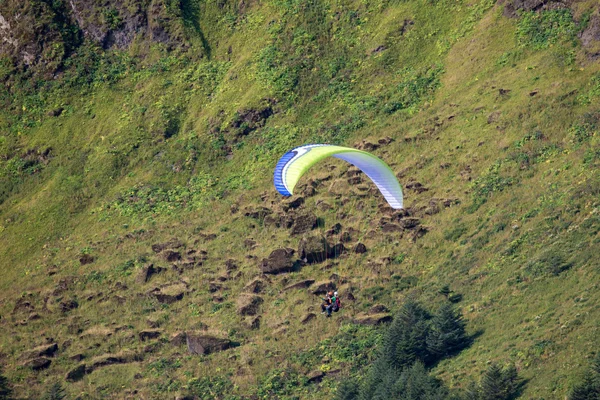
(248, 304)
(378, 309)
(300, 285)
(409, 223)
(306, 318)
(76, 374)
(303, 223)
(313, 249)
(323, 287)
(178, 338)
(86, 259)
(372, 319)
(37, 363)
(171, 244)
(292, 203)
(315, 376)
(41, 351)
(68, 305)
(360, 248)
(148, 334)
(280, 260)
(168, 294)
(206, 344)
(256, 285)
(258, 213)
(146, 272)
(172, 255)
(253, 322)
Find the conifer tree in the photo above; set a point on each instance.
(55, 392)
(447, 332)
(589, 389)
(5, 389)
(499, 384)
(406, 339)
(348, 390)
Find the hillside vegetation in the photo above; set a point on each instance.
(145, 253)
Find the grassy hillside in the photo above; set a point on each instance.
(494, 127)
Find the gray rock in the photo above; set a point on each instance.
(248, 304)
(206, 344)
(280, 260)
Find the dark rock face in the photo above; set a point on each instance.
(315, 249)
(258, 213)
(253, 322)
(171, 244)
(206, 344)
(304, 223)
(323, 287)
(257, 285)
(307, 318)
(378, 309)
(360, 248)
(249, 120)
(76, 374)
(248, 304)
(178, 338)
(590, 38)
(68, 305)
(315, 376)
(169, 294)
(38, 363)
(280, 260)
(300, 285)
(372, 319)
(41, 351)
(172, 256)
(149, 334)
(292, 203)
(146, 272)
(86, 259)
(63, 26)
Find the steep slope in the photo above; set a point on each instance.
(137, 202)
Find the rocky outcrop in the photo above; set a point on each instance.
(372, 319)
(146, 272)
(306, 318)
(170, 293)
(299, 285)
(315, 249)
(148, 334)
(315, 376)
(46, 350)
(280, 260)
(323, 287)
(200, 343)
(248, 304)
(64, 25)
(256, 286)
(37, 363)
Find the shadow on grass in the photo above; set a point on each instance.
(191, 19)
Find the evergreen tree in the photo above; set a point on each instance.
(406, 340)
(348, 390)
(416, 384)
(55, 392)
(447, 333)
(589, 389)
(499, 384)
(5, 389)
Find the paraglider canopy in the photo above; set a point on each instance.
(293, 164)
